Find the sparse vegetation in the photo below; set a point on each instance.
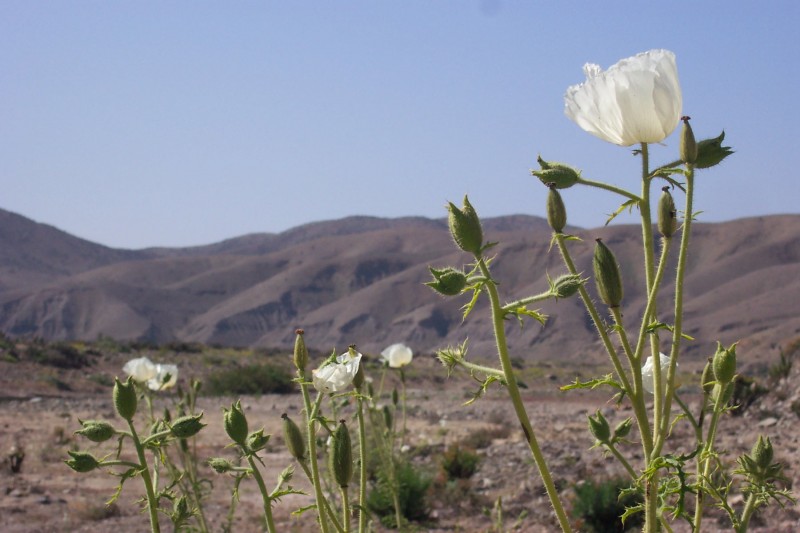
(599, 506)
(263, 378)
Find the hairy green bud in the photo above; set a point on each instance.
(598, 426)
(556, 211)
(762, 452)
(607, 276)
(688, 145)
(710, 152)
(96, 430)
(724, 364)
(566, 285)
(667, 214)
(82, 461)
(125, 398)
(448, 281)
(558, 175)
(465, 227)
(707, 379)
(293, 438)
(187, 426)
(341, 455)
(257, 440)
(220, 465)
(622, 429)
(300, 357)
(387, 417)
(235, 423)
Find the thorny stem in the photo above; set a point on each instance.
(311, 413)
(152, 503)
(607, 187)
(703, 458)
(516, 397)
(264, 494)
(345, 509)
(362, 470)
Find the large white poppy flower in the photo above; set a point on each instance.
(337, 375)
(140, 369)
(649, 368)
(397, 355)
(166, 377)
(638, 100)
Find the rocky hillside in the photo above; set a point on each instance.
(359, 280)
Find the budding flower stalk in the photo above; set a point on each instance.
(235, 424)
(465, 227)
(607, 275)
(341, 455)
(556, 211)
(448, 281)
(667, 214)
(724, 364)
(125, 401)
(293, 438)
(688, 144)
(300, 357)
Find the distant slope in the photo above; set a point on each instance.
(360, 280)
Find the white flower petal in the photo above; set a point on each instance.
(166, 377)
(140, 369)
(648, 375)
(336, 375)
(397, 355)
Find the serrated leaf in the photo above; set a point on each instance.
(468, 307)
(523, 311)
(655, 326)
(628, 204)
(301, 510)
(608, 379)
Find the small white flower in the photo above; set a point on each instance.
(647, 373)
(337, 375)
(166, 377)
(397, 355)
(140, 369)
(638, 100)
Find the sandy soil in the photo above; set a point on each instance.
(46, 496)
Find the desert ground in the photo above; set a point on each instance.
(40, 408)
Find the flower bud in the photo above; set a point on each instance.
(341, 456)
(447, 281)
(561, 176)
(293, 438)
(724, 364)
(710, 152)
(395, 397)
(257, 440)
(187, 426)
(220, 465)
(566, 285)
(82, 461)
(387, 417)
(688, 145)
(235, 423)
(622, 429)
(465, 227)
(707, 379)
(606, 275)
(556, 211)
(667, 214)
(300, 357)
(598, 426)
(762, 453)
(180, 511)
(96, 430)
(125, 398)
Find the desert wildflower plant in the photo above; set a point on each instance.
(346, 424)
(637, 102)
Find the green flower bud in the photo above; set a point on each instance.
(710, 152)
(566, 285)
(359, 378)
(294, 438)
(96, 430)
(300, 357)
(762, 453)
(622, 429)
(235, 423)
(465, 227)
(187, 426)
(220, 465)
(82, 461)
(448, 281)
(598, 426)
(667, 214)
(688, 145)
(707, 379)
(180, 511)
(395, 397)
(606, 275)
(257, 440)
(724, 364)
(341, 456)
(556, 211)
(561, 176)
(387, 417)
(125, 398)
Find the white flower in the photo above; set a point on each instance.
(336, 375)
(140, 369)
(648, 376)
(166, 377)
(638, 100)
(397, 355)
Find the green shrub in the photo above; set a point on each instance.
(412, 495)
(599, 506)
(459, 462)
(250, 379)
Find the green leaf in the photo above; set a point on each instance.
(628, 204)
(523, 311)
(608, 379)
(655, 326)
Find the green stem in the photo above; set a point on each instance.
(403, 405)
(362, 471)
(152, 503)
(516, 397)
(607, 187)
(264, 493)
(624, 462)
(703, 458)
(328, 508)
(311, 425)
(473, 367)
(511, 306)
(747, 513)
(345, 509)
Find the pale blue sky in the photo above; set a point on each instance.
(137, 124)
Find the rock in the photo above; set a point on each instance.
(767, 422)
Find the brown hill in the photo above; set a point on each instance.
(359, 280)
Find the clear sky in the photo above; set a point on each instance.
(136, 124)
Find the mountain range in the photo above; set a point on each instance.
(359, 280)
